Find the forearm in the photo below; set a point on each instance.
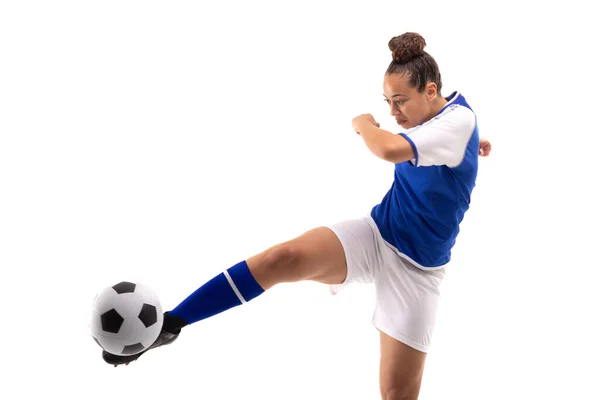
(379, 141)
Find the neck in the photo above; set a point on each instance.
(438, 104)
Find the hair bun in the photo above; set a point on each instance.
(406, 46)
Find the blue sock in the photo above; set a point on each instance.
(231, 288)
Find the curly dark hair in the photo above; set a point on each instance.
(409, 58)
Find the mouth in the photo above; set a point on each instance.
(401, 121)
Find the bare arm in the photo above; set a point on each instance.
(384, 144)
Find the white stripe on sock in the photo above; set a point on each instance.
(235, 289)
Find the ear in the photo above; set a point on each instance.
(431, 91)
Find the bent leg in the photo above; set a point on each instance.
(401, 370)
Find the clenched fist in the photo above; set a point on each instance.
(363, 120)
(485, 147)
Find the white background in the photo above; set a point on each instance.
(163, 142)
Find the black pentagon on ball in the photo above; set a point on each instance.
(124, 287)
(111, 321)
(132, 348)
(148, 315)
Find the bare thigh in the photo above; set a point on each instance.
(401, 369)
(316, 255)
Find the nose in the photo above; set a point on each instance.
(394, 111)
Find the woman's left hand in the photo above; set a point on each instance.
(485, 147)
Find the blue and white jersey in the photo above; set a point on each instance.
(421, 213)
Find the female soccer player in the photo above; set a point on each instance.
(402, 245)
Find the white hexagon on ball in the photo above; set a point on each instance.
(126, 318)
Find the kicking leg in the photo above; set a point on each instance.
(315, 255)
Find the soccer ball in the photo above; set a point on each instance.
(126, 318)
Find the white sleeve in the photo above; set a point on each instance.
(443, 139)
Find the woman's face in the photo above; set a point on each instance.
(407, 105)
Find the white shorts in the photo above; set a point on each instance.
(406, 295)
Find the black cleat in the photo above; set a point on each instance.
(169, 332)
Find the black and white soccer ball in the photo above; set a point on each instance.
(126, 318)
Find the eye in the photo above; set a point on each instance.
(397, 103)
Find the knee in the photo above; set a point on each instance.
(281, 256)
(397, 392)
(282, 263)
